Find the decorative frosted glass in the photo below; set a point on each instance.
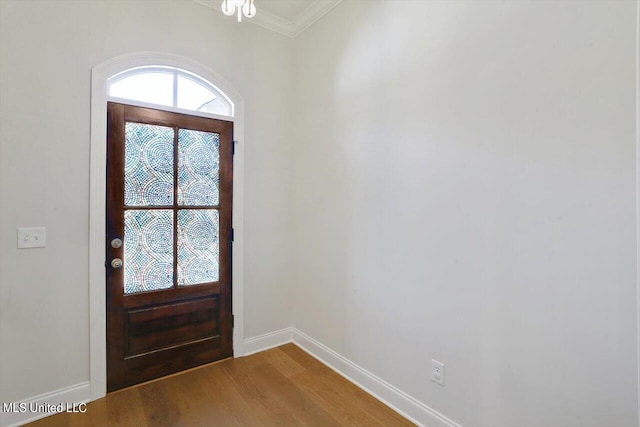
(148, 165)
(198, 246)
(148, 250)
(198, 168)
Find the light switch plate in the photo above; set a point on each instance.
(32, 237)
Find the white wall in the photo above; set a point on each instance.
(47, 50)
(464, 190)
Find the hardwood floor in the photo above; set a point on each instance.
(279, 387)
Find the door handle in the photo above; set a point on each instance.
(116, 263)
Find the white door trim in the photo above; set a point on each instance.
(97, 202)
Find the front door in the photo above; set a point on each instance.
(168, 242)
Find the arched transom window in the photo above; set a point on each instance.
(169, 87)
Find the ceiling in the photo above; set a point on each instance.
(285, 9)
(287, 17)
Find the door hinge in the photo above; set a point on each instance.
(233, 147)
(232, 234)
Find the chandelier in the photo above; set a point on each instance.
(239, 7)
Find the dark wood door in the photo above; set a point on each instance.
(169, 198)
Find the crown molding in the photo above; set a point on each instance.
(316, 10)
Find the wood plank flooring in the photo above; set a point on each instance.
(283, 386)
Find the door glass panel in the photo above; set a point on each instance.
(198, 246)
(148, 250)
(148, 165)
(198, 168)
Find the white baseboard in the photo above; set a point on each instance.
(391, 396)
(79, 393)
(398, 400)
(266, 341)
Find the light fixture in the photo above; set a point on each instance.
(239, 7)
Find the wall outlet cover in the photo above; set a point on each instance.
(32, 237)
(437, 372)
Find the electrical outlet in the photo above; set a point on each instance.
(437, 372)
(32, 237)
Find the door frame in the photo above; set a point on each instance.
(97, 202)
